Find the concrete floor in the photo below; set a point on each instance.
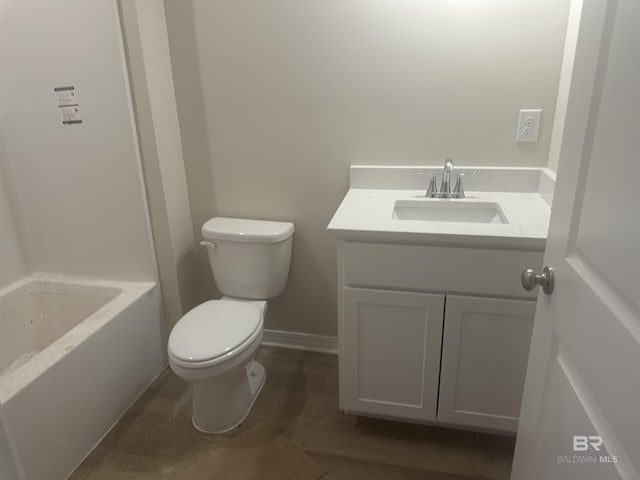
(295, 431)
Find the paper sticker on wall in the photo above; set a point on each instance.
(68, 105)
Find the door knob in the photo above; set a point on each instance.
(529, 279)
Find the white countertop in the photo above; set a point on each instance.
(367, 214)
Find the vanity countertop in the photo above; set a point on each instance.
(367, 214)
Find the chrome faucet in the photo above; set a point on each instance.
(445, 185)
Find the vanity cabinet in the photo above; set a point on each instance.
(434, 333)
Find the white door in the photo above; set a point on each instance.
(580, 415)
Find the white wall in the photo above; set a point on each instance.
(77, 189)
(12, 263)
(146, 43)
(564, 85)
(276, 99)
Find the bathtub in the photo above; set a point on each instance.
(74, 355)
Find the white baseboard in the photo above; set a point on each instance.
(300, 341)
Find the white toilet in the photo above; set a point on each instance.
(212, 346)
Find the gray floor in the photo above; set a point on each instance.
(295, 431)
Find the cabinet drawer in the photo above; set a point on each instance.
(438, 268)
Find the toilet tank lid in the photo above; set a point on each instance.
(244, 230)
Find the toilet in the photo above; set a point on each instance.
(212, 347)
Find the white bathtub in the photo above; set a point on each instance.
(74, 355)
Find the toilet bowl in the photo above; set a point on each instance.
(212, 347)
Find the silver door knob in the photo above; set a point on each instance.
(529, 280)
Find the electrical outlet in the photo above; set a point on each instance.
(529, 125)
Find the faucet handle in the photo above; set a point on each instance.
(432, 190)
(458, 190)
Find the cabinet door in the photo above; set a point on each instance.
(391, 353)
(484, 359)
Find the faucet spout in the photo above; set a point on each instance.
(445, 187)
(448, 165)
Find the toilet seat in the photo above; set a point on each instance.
(214, 332)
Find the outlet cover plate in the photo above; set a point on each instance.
(529, 125)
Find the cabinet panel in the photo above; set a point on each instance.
(391, 353)
(438, 268)
(484, 361)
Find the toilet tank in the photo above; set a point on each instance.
(249, 258)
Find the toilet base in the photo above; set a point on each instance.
(222, 405)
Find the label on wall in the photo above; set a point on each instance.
(68, 105)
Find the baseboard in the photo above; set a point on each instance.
(300, 341)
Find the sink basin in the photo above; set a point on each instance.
(448, 211)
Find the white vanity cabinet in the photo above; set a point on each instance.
(434, 333)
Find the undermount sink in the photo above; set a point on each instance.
(448, 211)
